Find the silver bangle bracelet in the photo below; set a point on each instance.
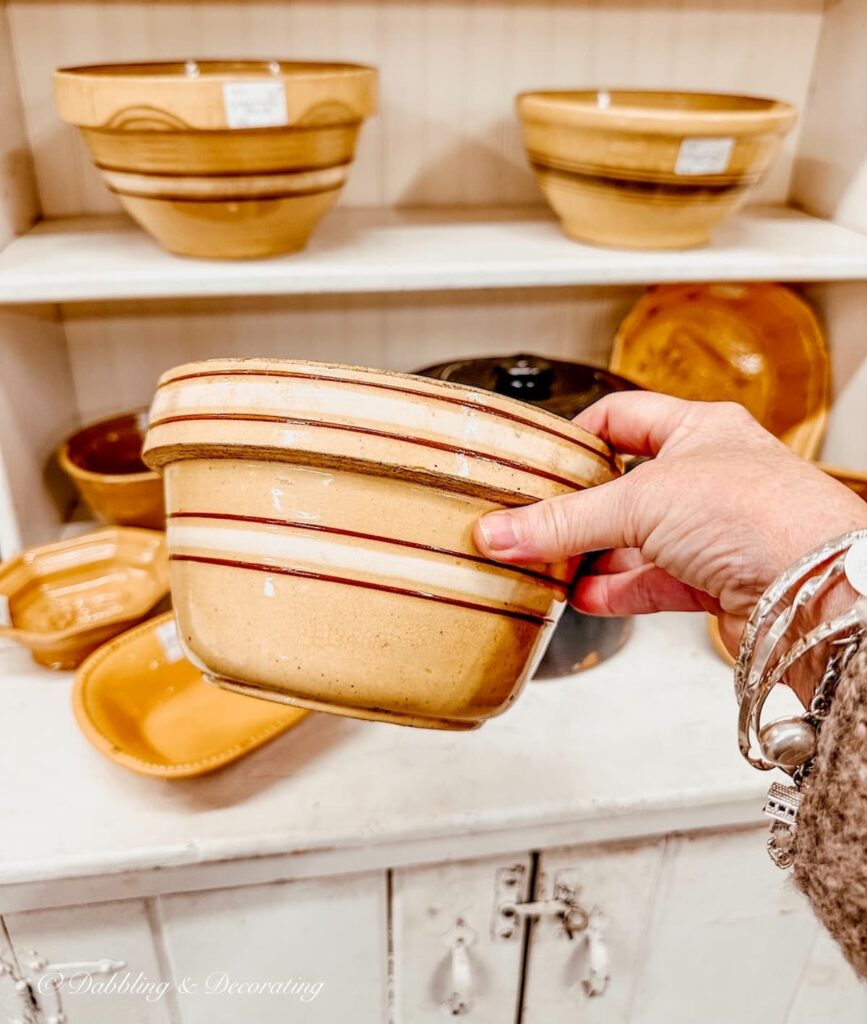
(768, 653)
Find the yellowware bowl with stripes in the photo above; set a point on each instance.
(648, 170)
(223, 159)
(320, 534)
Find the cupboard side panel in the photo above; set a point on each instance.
(830, 174)
(19, 206)
(38, 407)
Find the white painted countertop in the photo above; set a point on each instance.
(644, 743)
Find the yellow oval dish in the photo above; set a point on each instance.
(756, 344)
(142, 704)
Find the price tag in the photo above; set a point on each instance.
(704, 156)
(167, 634)
(255, 104)
(856, 566)
(5, 614)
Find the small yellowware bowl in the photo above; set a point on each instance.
(104, 462)
(142, 704)
(320, 523)
(649, 170)
(228, 159)
(63, 600)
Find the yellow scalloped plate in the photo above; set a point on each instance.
(757, 344)
(142, 704)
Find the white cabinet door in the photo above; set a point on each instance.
(136, 994)
(828, 989)
(618, 880)
(729, 937)
(700, 930)
(301, 950)
(448, 950)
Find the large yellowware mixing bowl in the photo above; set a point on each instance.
(226, 159)
(320, 525)
(648, 170)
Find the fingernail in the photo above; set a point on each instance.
(498, 531)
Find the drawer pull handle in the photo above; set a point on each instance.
(598, 971)
(460, 998)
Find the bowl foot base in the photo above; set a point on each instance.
(367, 714)
(664, 242)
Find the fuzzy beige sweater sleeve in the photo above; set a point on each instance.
(831, 838)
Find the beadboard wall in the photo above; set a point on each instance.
(117, 354)
(446, 133)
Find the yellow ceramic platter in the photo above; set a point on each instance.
(757, 344)
(852, 478)
(142, 704)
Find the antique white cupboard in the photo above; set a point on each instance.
(380, 874)
(388, 874)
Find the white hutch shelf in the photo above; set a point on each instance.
(386, 250)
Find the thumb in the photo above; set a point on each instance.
(555, 530)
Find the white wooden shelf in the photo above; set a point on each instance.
(375, 250)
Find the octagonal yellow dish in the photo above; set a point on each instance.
(63, 600)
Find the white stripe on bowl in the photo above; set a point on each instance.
(393, 413)
(350, 557)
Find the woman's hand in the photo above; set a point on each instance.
(721, 509)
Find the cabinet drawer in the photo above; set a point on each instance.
(136, 993)
(448, 959)
(272, 953)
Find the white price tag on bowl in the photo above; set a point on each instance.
(167, 634)
(255, 104)
(704, 156)
(5, 614)
(856, 566)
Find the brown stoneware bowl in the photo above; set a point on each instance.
(320, 534)
(648, 170)
(224, 159)
(63, 600)
(105, 464)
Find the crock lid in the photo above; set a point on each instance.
(563, 388)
